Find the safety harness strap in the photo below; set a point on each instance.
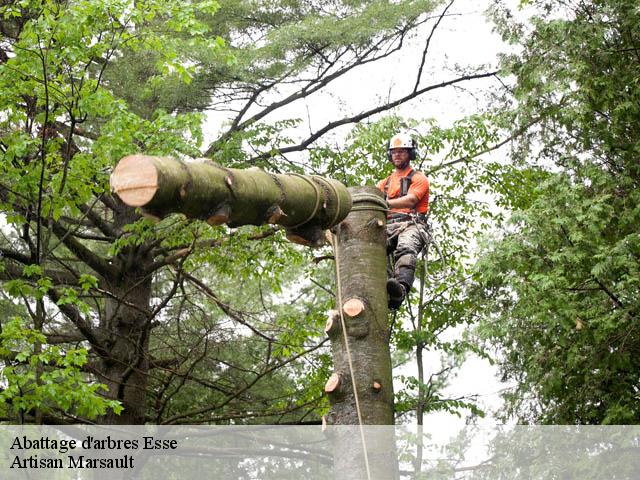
(405, 183)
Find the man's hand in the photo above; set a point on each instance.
(407, 201)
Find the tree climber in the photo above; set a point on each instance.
(407, 193)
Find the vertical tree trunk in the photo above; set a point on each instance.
(126, 326)
(417, 464)
(125, 371)
(360, 247)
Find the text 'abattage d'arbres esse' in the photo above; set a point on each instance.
(47, 446)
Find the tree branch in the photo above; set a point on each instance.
(498, 145)
(14, 255)
(185, 250)
(357, 118)
(428, 43)
(313, 85)
(173, 420)
(102, 225)
(224, 307)
(59, 277)
(97, 263)
(84, 326)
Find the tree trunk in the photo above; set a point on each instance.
(125, 371)
(305, 205)
(126, 325)
(360, 246)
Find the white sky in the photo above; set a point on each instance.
(463, 38)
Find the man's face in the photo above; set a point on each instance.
(400, 157)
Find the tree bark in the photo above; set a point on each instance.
(305, 205)
(125, 371)
(360, 251)
(125, 328)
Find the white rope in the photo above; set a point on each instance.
(346, 343)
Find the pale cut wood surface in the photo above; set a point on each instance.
(135, 180)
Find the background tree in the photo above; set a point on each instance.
(560, 282)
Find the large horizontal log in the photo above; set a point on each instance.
(304, 204)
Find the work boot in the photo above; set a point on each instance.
(396, 293)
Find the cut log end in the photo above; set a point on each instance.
(380, 223)
(328, 326)
(307, 235)
(353, 307)
(292, 237)
(214, 220)
(303, 240)
(135, 180)
(332, 322)
(376, 386)
(333, 383)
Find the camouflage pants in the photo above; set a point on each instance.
(405, 240)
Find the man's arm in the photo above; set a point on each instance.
(409, 200)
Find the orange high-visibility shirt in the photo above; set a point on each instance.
(419, 187)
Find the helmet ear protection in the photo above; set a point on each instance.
(403, 140)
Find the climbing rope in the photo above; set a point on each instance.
(317, 206)
(427, 236)
(380, 204)
(335, 194)
(346, 343)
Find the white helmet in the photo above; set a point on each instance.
(402, 140)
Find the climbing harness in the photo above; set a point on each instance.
(405, 183)
(427, 236)
(424, 230)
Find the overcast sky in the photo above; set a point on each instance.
(463, 38)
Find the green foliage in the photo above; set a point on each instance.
(61, 130)
(560, 283)
(46, 377)
(229, 340)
